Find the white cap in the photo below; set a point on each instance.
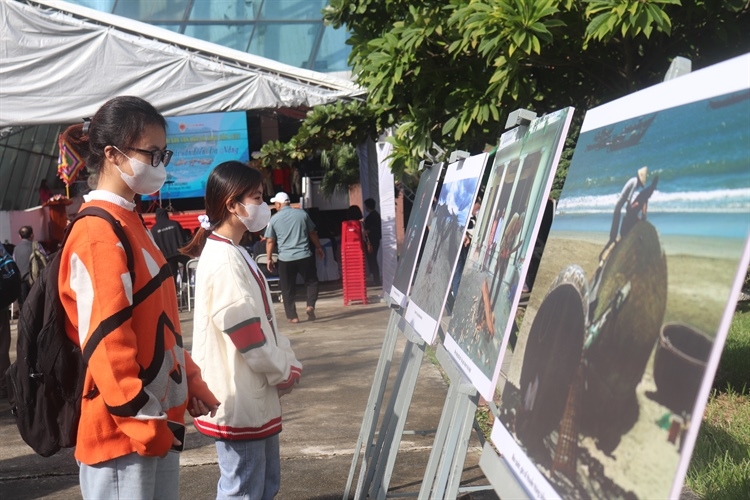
(280, 197)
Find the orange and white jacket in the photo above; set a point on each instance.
(244, 359)
(119, 413)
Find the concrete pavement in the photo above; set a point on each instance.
(322, 417)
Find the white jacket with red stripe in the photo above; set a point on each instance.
(244, 359)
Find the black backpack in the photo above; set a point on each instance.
(10, 280)
(46, 381)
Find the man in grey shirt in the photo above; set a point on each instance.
(293, 231)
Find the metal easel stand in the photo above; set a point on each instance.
(445, 466)
(496, 470)
(502, 479)
(389, 439)
(374, 403)
(380, 457)
(500, 476)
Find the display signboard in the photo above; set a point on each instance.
(501, 245)
(414, 234)
(634, 294)
(447, 226)
(200, 142)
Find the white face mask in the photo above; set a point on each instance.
(257, 217)
(145, 179)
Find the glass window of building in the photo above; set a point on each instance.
(288, 31)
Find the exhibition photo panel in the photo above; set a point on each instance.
(500, 250)
(634, 294)
(414, 233)
(447, 225)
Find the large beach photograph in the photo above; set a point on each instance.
(446, 230)
(628, 315)
(498, 253)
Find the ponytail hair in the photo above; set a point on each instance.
(231, 180)
(195, 246)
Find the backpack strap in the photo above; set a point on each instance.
(107, 325)
(48, 358)
(116, 226)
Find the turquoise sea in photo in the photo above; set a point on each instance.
(703, 169)
(715, 225)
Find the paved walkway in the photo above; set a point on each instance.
(322, 417)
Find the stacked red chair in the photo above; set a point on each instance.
(353, 262)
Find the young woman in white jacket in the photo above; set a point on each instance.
(246, 362)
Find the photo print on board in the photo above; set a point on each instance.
(447, 225)
(500, 251)
(634, 294)
(414, 234)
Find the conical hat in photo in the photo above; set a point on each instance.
(642, 173)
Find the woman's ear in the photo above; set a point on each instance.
(110, 153)
(231, 205)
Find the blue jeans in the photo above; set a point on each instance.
(250, 470)
(132, 477)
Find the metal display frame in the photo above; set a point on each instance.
(445, 465)
(502, 478)
(372, 410)
(444, 468)
(379, 457)
(443, 474)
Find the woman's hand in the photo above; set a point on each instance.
(176, 443)
(198, 408)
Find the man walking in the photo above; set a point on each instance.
(292, 231)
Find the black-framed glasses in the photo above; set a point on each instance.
(157, 155)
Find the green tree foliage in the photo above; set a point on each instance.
(341, 165)
(323, 128)
(447, 72)
(334, 123)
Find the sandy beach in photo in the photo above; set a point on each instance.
(700, 272)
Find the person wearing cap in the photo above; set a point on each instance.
(626, 197)
(293, 232)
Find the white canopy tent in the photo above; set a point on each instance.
(59, 62)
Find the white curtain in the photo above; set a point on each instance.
(387, 206)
